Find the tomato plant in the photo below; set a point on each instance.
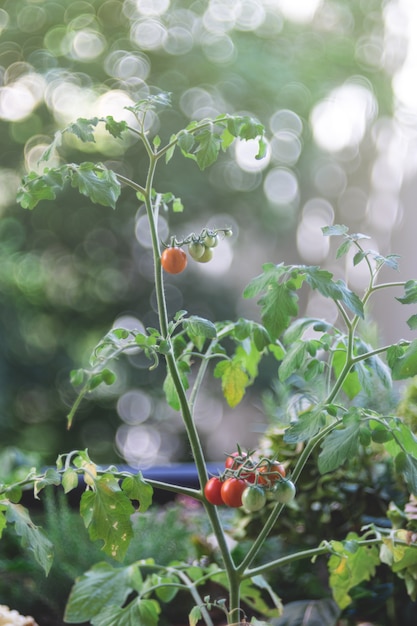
(173, 260)
(332, 360)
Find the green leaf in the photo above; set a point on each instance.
(234, 380)
(351, 385)
(51, 477)
(186, 142)
(349, 565)
(106, 512)
(101, 586)
(200, 327)
(194, 616)
(169, 386)
(405, 363)
(37, 187)
(31, 535)
(116, 129)
(309, 424)
(139, 612)
(136, 488)
(343, 248)
(300, 326)
(208, 148)
(336, 230)
(293, 360)
(96, 182)
(410, 289)
(83, 129)
(340, 445)
(69, 480)
(322, 280)
(412, 322)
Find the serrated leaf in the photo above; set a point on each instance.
(185, 142)
(51, 477)
(405, 365)
(207, 150)
(341, 444)
(410, 289)
(37, 187)
(101, 586)
(136, 488)
(106, 512)
(234, 380)
(115, 128)
(350, 566)
(322, 280)
(97, 183)
(309, 424)
(139, 612)
(200, 327)
(335, 230)
(293, 360)
(31, 536)
(83, 128)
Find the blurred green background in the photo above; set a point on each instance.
(329, 79)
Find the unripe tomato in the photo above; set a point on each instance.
(196, 250)
(173, 260)
(212, 491)
(232, 490)
(283, 491)
(211, 240)
(253, 498)
(206, 256)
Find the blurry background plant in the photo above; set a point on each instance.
(330, 81)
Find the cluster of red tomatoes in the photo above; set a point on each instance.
(248, 483)
(200, 248)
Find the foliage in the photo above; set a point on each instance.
(334, 362)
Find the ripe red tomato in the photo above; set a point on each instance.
(212, 491)
(234, 460)
(173, 260)
(232, 490)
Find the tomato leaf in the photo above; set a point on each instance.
(341, 444)
(194, 616)
(200, 327)
(170, 391)
(139, 612)
(322, 280)
(309, 423)
(234, 380)
(106, 512)
(136, 488)
(96, 182)
(351, 385)
(293, 360)
(410, 289)
(101, 586)
(83, 128)
(403, 362)
(31, 535)
(349, 565)
(208, 148)
(116, 129)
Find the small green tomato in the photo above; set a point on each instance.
(253, 498)
(211, 240)
(196, 250)
(206, 256)
(283, 491)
